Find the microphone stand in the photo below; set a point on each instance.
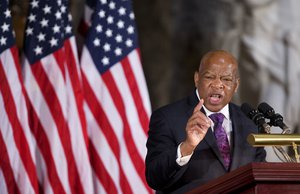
(283, 152)
(277, 148)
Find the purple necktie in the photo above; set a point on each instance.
(221, 137)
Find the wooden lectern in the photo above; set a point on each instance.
(258, 178)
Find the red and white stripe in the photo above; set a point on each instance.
(17, 148)
(3, 187)
(76, 116)
(57, 121)
(117, 110)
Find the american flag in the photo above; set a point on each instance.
(117, 102)
(53, 86)
(17, 161)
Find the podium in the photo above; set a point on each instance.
(258, 178)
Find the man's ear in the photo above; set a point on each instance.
(237, 85)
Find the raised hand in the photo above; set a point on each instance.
(196, 129)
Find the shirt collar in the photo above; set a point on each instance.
(224, 110)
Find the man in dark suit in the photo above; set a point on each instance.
(184, 145)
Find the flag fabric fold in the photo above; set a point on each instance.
(17, 148)
(117, 104)
(55, 99)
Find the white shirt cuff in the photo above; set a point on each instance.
(181, 161)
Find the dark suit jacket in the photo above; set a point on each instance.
(167, 131)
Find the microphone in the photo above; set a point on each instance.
(275, 118)
(256, 116)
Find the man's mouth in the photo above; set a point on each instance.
(215, 98)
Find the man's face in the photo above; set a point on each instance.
(217, 82)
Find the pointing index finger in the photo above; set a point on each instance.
(199, 105)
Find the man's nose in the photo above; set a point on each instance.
(217, 83)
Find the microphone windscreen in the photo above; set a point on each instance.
(266, 109)
(256, 116)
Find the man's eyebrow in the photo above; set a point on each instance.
(213, 73)
(228, 75)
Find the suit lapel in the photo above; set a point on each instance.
(237, 138)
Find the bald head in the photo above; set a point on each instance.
(219, 57)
